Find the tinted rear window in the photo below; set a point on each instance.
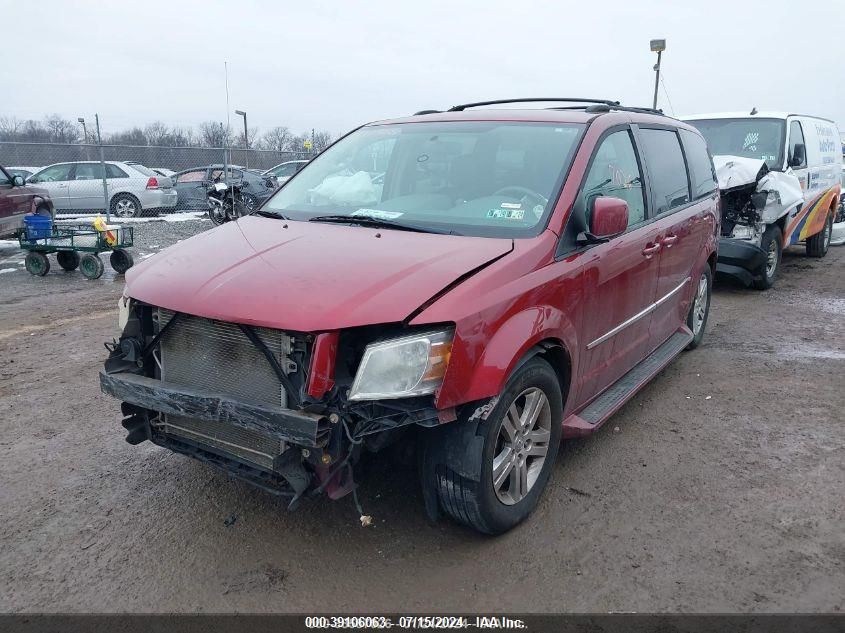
(666, 168)
(702, 176)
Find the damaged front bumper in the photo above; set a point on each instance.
(741, 260)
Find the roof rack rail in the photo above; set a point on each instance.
(464, 106)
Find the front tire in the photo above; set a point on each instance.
(37, 263)
(818, 245)
(772, 245)
(68, 260)
(507, 459)
(700, 308)
(121, 260)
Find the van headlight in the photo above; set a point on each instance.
(403, 367)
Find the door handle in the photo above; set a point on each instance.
(648, 251)
(669, 240)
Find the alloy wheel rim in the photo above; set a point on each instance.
(771, 259)
(124, 208)
(522, 446)
(699, 310)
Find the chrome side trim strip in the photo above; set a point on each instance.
(639, 315)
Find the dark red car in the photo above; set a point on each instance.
(477, 282)
(17, 199)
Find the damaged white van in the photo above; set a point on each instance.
(779, 176)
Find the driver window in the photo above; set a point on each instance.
(616, 173)
(796, 137)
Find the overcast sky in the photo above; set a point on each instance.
(334, 65)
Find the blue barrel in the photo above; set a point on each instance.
(38, 226)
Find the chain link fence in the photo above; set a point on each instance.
(139, 180)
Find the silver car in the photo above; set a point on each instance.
(133, 190)
(283, 171)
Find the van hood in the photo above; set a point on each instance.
(307, 276)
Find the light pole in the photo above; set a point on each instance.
(246, 137)
(657, 46)
(84, 131)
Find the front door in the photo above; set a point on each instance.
(55, 179)
(620, 276)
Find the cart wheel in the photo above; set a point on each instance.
(37, 263)
(91, 266)
(69, 260)
(121, 260)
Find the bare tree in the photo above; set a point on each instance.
(277, 139)
(322, 140)
(183, 137)
(61, 130)
(9, 128)
(135, 136)
(33, 132)
(253, 136)
(214, 134)
(157, 133)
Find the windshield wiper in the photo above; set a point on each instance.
(368, 220)
(269, 214)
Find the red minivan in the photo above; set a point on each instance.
(477, 283)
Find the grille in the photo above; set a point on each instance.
(217, 357)
(250, 446)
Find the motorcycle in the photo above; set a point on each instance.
(226, 203)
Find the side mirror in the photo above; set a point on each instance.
(608, 218)
(799, 154)
(17, 181)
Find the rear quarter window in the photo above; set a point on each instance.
(702, 174)
(666, 169)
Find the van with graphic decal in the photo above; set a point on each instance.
(779, 177)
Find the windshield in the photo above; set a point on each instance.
(482, 178)
(750, 138)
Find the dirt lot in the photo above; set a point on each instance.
(718, 488)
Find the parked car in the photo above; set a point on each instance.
(193, 184)
(837, 234)
(283, 171)
(133, 190)
(780, 179)
(520, 276)
(17, 199)
(23, 172)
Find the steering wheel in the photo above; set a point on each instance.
(523, 192)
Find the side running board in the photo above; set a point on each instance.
(619, 392)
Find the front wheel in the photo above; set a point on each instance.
(507, 459)
(217, 214)
(121, 260)
(772, 245)
(818, 245)
(700, 308)
(37, 263)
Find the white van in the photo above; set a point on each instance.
(779, 176)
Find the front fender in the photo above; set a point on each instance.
(477, 371)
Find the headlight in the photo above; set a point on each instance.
(407, 366)
(742, 232)
(123, 306)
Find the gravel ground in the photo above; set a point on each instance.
(717, 488)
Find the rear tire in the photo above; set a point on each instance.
(91, 266)
(517, 444)
(68, 260)
(121, 260)
(772, 245)
(37, 263)
(125, 205)
(818, 245)
(700, 308)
